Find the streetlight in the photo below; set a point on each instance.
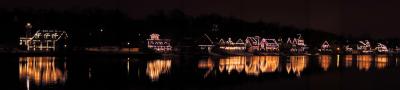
(129, 48)
(28, 27)
(101, 36)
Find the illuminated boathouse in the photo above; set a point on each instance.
(159, 45)
(257, 43)
(44, 40)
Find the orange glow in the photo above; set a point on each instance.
(381, 58)
(254, 65)
(324, 61)
(364, 62)
(232, 63)
(41, 70)
(206, 64)
(297, 64)
(233, 48)
(381, 61)
(348, 60)
(158, 67)
(269, 64)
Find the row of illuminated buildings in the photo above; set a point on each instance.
(361, 47)
(56, 40)
(258, 45)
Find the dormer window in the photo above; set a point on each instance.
(46, 35)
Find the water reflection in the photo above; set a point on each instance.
(337, 61)
(364, 62)
(41, 71)
(253, 65)
(396, 60)
(324, 61)
(296, 64)
(234, 63)
(268, 63)
(158, 67)
(381, 61)
(348, 60)
(206, 64)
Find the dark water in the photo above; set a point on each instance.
(332, 72)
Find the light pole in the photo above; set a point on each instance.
(129, 48)
(101, 37)
(28, 27)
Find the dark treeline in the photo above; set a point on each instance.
(84, 27)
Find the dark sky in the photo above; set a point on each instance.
(379, 18)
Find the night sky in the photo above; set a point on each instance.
(378, 18)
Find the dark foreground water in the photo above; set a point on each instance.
(324, 72)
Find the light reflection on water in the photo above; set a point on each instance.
(296, 65)
(348, 61)
(381, 61)
(41, 71)
(49, 71)
(325, 61)
(364, 62)
(254, 65)
(158, 67)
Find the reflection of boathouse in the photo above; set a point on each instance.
(254, 65)
(296, 64)
(158, 67)
(42, 71)
(44, 40)
(159, 45)
(325, 61)
(364, 62)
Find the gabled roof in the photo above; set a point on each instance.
(239, 41)
(49, 35)
(221, 41)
